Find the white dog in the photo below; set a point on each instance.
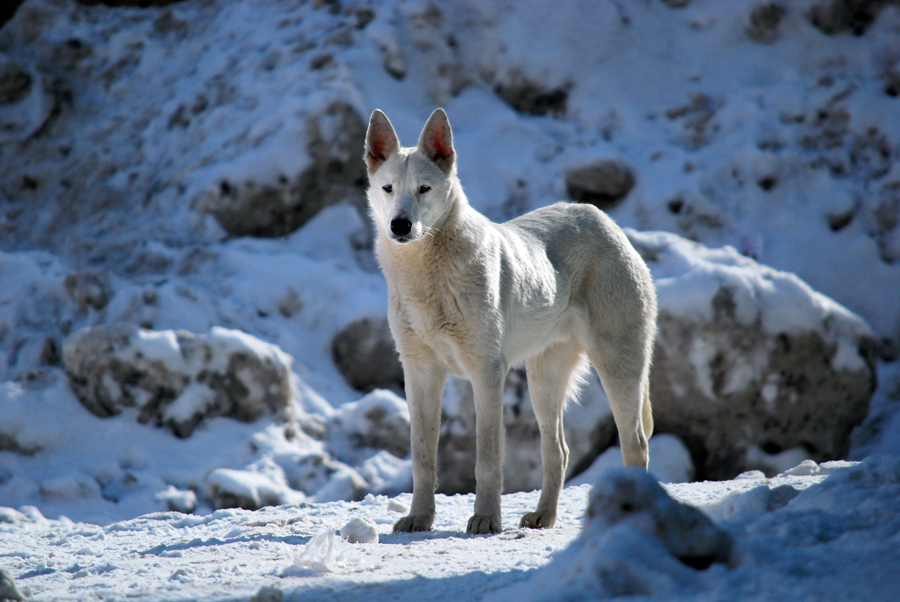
(474, 298)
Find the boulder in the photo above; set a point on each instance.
(273, 207)
(364, 353)
(751, 362)
(177, 379)
(602, 184)
(832, 17)
(530, 97)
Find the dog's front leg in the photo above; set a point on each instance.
(488, 389)
(424, 386)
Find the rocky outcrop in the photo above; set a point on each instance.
(177, 379)
(632, 497)
(270, 208)
(751, 362)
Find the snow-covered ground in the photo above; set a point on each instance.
(743, 122)
(798, 536)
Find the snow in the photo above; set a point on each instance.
(105, 170)
(827, 535)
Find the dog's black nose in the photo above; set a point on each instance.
(401, 226)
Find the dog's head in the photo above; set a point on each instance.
(410, 188)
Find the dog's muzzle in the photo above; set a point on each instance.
(401, 228)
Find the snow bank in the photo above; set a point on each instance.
(797, 532)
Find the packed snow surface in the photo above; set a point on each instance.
(828, 532)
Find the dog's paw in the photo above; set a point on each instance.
(409, 524)
(538, 520)
(483, 524)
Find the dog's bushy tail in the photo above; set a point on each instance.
(578, 380)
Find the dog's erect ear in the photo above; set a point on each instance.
(436, 140)
(381, 141)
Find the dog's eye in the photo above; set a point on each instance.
(388, 188)
(424, 188)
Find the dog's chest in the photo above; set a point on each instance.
(434, 309)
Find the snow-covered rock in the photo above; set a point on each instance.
(380, 420)
(278, 204)
(751, 362)
(177, 379)
(636, 540)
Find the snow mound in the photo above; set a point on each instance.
(360, 530)
(177, 379)
(636, 540)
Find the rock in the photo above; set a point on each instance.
(268, 593)
(132, 3)
(532, 98)
(364, 353)
(89, 289)
(751, 360)
(838, 16)
(670, 462)
(273, 208)
(245, 489)
(360, 530)
(602, 184)
(632, 497)
(178, 500)
(764, 21)
(177, 379)
(636, 542)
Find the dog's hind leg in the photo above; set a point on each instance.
(549, 377)
(623, 366)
